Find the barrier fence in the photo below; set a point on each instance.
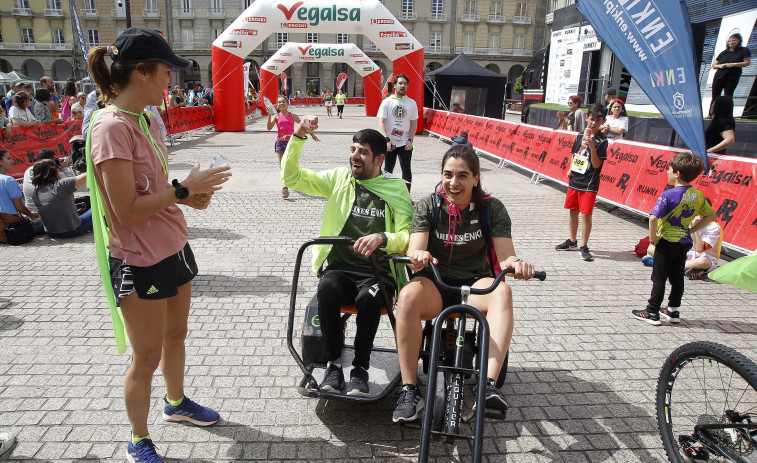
(633, 176)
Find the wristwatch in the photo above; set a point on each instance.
(384, 241)
(410, 140)
(388, 139)
(181, 191)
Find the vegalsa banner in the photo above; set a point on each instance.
(653, 40)
(340, 80)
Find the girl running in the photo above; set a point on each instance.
(284, 121)
(327, 101)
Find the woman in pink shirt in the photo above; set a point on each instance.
(151, 263)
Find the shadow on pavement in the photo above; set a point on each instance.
(724, 326)
(214, 233)
(8, 322)
(222, 286)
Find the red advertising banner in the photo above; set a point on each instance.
(634, 174)
(25, 142)
(179, 120)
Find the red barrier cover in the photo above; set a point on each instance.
(179, 120)
(25, 142)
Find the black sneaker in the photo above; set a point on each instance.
(409, 405)
(285, 192)
(359, 382)
(568, 245)
(670, 314)
(694, 274)
(494, 397)
(585, 254)
(646, 316)
(333, 380)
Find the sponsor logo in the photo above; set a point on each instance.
(404, 46)
(369, 68)
(717, 175)
(726, 210)
(362, 62)
(14, 138)
(279, 61)
(256, 19)
(658, 164)
(392, 34)
(243, 32)
(545, 138)
(382, 21)
(316, 15)
(45, 134)
(356, 55)
(620, 156)
(231, 44)
(285, 54)
(647, 190)
(317, 52)
(678, 100)
(294, 25)
(307, 58)
(272, 68)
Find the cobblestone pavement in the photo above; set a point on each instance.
(582, 372)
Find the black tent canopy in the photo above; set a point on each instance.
(463, 73)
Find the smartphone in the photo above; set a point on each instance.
(219, 161)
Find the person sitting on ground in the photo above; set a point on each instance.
(11, 198)
(20, 114)
(616, 124)
(459, 197)
(720, 134)
(462, 139)
(64, 166)
(373, 209)
(54, 199)
(42, 110)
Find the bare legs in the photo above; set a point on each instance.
(585, 227)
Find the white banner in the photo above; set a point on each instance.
(320, 52)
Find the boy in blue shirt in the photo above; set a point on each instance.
(669, 230)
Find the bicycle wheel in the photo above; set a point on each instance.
(704, 383)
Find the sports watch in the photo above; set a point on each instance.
(181, 191)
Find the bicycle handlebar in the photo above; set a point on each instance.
(539, 275)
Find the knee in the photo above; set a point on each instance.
(175, 335)
(503, 299)
(145, 363)
(406, 305)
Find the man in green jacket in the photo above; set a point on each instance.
(375, 210)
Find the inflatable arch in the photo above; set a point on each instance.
(322, 52)
(265, 17)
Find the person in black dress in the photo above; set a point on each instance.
(720, 133)
(728, 65)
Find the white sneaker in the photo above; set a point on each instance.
(7, 440)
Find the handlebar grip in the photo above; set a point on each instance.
(335, 240)
(540, 275)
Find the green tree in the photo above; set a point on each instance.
(519, 85)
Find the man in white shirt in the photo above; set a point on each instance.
(398, 120)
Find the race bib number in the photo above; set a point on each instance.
(397, 133)
(580, 163)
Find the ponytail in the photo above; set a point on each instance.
(112, 80)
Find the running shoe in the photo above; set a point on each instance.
(671, 314)
(409, 405)
(285, 193)
(648, 261)
(568, 245)
(333, 380)
(585, 254)
(191, 411)
(359, 382)
(645, 315)
(494, 397)
(694, 274)
(143, 452)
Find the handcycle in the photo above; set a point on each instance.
(707, 404)
(451, 360)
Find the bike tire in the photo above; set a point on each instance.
(724, 378)
(440, 403)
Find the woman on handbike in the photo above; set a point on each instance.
(458, 247)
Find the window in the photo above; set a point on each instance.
(470, 7)
(27, 35)
(496, 8)
(186, 5)
(521, 9)
(247, 3)
(90, 5)
(58, 36)
(555, 5)
(281, 39)
(22, 3)
(119, 31)
(313, 69)
(437, 6)
(342, 38)
(216, 4)
(54, 4)
(312, 38)
(408, 6)
(216, 33)
(1, 36)
(151, 5)
(519, 41)
(494, 40)
(469, 40)
(436, 40)
(340, 67)
(187, 35)
(93, 37)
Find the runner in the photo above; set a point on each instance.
(340, 97)
(327, 101)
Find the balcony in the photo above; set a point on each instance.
(437, 18)
(522, 19)
(118, 13)
(216, 13)
(491, 51)
(150, 12)
(36, 46)
(496, 19)
(409, 16)
(470, 18)
(192, 45)
(185, 13)
(437, 50)
(53, 12)
(90, 12)
(549, 18)
(21, 11)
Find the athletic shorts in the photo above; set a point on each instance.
(582, 200)
(280, 146)
(328, 103)
(691, 255)
(448, 297)
(159, 281)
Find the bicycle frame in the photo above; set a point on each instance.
(702, 435)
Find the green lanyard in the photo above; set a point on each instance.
(142, 117)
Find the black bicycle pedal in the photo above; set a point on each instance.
(415, 424)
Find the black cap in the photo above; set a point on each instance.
(611, 91)
(141, 45)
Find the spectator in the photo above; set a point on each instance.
(589, 152)
(720, 134)
(456, 108)
(707, 243)
(42, 110)
(16, 86)
(90, 107)
(177, 98)
(373, 209)
(576, 118)
(49, 83)
(670, 228)
(340, 98)
(11, 198)
(20, 115)
(462, 139)
(77, 113)
(610, 95)
(616, 126)
(64, 166)
(32, 101)
(728, 64)
(5, 124)
(53, 197)
(81, 102)
(562, 121)
(69, 99)
(398, 121)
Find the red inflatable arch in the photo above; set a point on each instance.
(265, 17)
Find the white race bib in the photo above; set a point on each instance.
(580, 163)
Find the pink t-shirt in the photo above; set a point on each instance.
(145, 243)
(286, 126)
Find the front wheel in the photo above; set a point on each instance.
(704, 383)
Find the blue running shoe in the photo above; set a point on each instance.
(190, 411)
(143, 452)
(648, 261)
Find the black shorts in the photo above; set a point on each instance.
(448, 297)
(158, 281)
